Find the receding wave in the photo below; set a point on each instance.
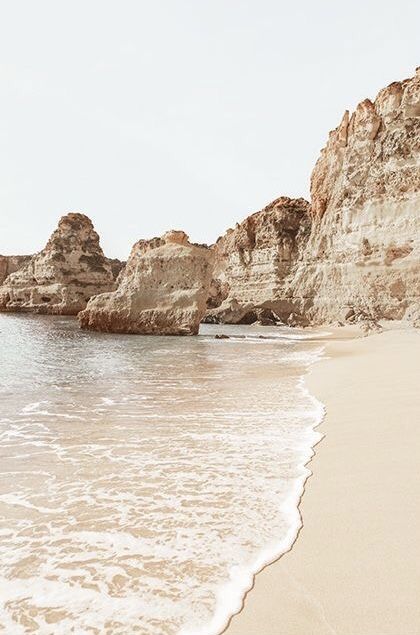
(144, 481)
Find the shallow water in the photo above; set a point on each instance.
(143, 480)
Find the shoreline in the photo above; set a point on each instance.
(244, 391)
(238, 588)
(315, 587)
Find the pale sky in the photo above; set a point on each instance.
(189, 114)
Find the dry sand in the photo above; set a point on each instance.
(355, 567)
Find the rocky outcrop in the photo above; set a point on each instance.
(162, 290)
(363, 253)
(253, 261)
(352, 256)
(62, 277)
(10, 264)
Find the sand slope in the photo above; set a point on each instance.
(355, 568)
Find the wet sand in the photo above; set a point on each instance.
(354, 568)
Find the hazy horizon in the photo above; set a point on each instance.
(151, 116)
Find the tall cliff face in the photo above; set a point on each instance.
(254, 259)
(10, 264)
(64, 275)
(162, 290)
(363, 252)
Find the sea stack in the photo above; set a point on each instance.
(362, 258)
(253, 261)
(162, 290)
(62, 277)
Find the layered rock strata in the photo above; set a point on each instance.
(363, 253)
(354, 254)
(253, 261)
(62, 277)
(162, 290)
(10, 264)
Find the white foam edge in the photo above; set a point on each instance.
(230, 597)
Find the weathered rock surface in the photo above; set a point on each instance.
(62, 277)
(363, 253)
(162, 290)
(10, 264)
(254, 259)
(116, 266)
(352, 256)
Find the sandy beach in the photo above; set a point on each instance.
(354, 568)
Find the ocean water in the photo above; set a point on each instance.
(144, 480)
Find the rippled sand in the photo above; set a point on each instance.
(144, 480)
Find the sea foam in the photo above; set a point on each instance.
(145, 481)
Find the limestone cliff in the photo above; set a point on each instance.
(363, 253)
(64, 275)
(355, 252)
(254, 259)
(162, 290)
(10, 264)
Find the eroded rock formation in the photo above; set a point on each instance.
(62, 277)
(354, 254)
(254, 259)
(10, 264)
(162, 290)
(363, 253)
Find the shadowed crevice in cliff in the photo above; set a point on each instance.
(253, 260)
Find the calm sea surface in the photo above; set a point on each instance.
(143, 480)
